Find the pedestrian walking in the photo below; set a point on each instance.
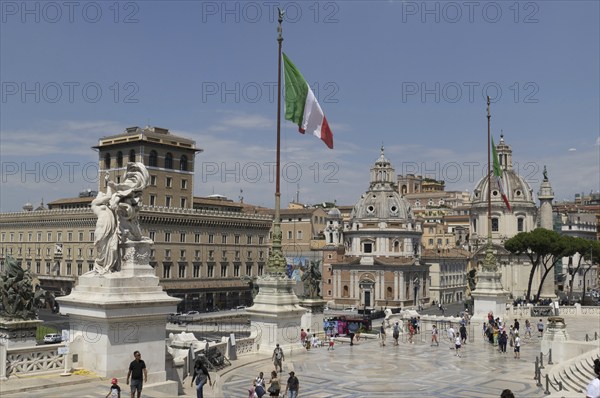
(382, 333)
(259, 385)
(540, 328)
(517, 346)
(434, 335)
(137, 374)
(331, 343)
(274, 386)
(451, 334)
(593, 389)
(502, 341)
(278, 357)
(457, 345)
(293, 386)
(201, 376)
(115, 390)
(463, 333)
(527, 329)
(303, 337)
(396, 332)
(411, 333)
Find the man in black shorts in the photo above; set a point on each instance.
(137, 367)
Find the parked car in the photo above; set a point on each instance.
(192, 313)
(52, 338)
(240, 307)
(350, 309)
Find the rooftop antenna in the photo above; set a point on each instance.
(241, 197)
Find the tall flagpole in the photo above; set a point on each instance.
(276, 263)
(489, 263)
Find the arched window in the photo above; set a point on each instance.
(520, 224)
(132, 155)
(183, 163)
(346, 291)
(168, 161)
(119, 159)
(330, 237)
(153, 159)
(388, 294)
(107, 161)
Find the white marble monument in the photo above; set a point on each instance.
(119, 307)
(489, 295)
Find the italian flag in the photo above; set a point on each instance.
(301, 105)
(498, 175)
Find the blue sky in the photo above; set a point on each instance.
(411, 75)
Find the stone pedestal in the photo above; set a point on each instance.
(489, 294)
(313, 318)
(554, 337)
(114, 314)
(18, 333)
(276, 315)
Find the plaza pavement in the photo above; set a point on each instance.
(363, 370)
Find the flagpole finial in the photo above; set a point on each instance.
(279, 28)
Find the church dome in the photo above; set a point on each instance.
(515, 187)
(382, 201)
(334, 213)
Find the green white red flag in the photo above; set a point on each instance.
(301, 105)
(498, 175)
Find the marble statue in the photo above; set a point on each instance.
(17, 292)
(312, 280)
(251, 280)
(117, 211)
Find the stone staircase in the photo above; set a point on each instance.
(574, 375)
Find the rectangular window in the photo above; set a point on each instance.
(81, 236)
(152, 235)
(248, 269)
(166, 270)
(289, 235)
(91, 252)
(168, 253)
(59, 236)
(211, 254)
(249, 239)
(211, 238)
(79, 252)
(210, 271)
(152, 253)
(261, 240)
(261, 268)
(169, 182)
(29, 237)
(223, 271)
(79, 269)
(519, 225)
(70, 236)
(237, 254)
(92, 236)
(494, 225)
(224, 254)
(49, 237)
(183, 184)
(224, 239)
(20, 237)
(249, 253)
(153, 181)
(47, 267)
(183, 203)
(69, 270)
(182, 253)
(299, 235)
(152, 200)
(196, 270)
(196, 238)
(167, 236)
(182, 270)
(38, 267)
(236, 270)
(368, 247)
(168, 201)
(182, 237)
(261, 254)
(236, 239)
(38, 251)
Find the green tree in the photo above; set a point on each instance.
(591, 256)
(543, 248)
(573, 246)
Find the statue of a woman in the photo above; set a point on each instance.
(117, 212)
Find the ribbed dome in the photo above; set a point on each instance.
(515, 187)
(382, 201)
(382, 205)
(334, 213)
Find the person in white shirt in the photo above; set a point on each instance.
(517, 346)
(451, 334)
(593, 389)
(457, 345)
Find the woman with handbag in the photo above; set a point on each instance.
(274, 386)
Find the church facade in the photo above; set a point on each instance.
(374, 259)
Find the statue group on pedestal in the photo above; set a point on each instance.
(17, 292)
(312, 281)
(117, 211)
